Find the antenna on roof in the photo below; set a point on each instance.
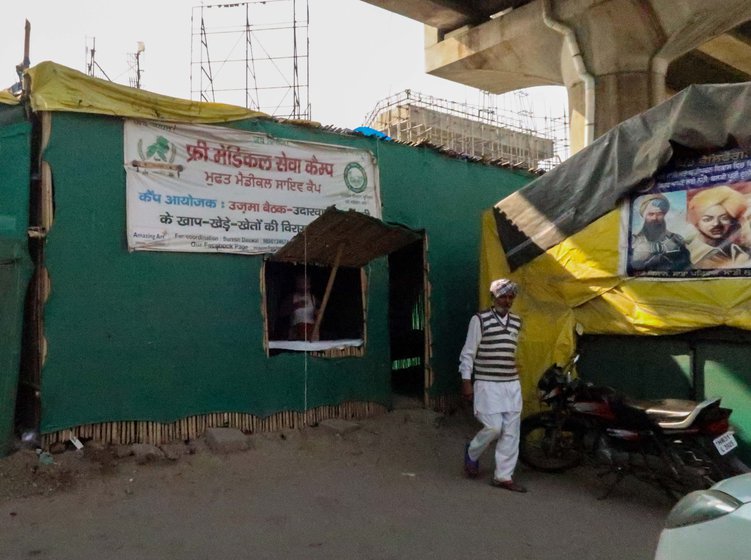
(23, 80)
(91, 63)
(134, 63)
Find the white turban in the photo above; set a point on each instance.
(503, 286)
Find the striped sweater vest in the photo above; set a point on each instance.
(495, 359)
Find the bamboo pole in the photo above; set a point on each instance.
(427, 331)
(364, 291)
(327, 293)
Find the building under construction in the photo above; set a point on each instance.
(470, 130)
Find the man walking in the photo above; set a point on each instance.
(490, 380)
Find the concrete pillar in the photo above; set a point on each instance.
(618, 96)
(619, 41)
(626, 45)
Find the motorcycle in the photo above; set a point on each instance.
(680, 445)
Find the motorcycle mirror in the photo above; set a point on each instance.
(574, 359)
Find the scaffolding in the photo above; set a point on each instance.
(514, 137)
(254, 54)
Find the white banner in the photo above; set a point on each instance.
(215, 189)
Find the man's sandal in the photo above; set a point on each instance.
(471, 468)
(509, 485)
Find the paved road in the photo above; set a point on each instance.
(390, 490)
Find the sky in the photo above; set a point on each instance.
(358, 54)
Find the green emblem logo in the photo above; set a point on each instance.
(160, 150)
(355, 177)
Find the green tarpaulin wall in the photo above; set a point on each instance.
(15, 265)
(161, 336)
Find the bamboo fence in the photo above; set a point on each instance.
(158, 433)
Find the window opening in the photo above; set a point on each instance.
(291, 314)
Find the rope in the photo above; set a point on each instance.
(307, 353)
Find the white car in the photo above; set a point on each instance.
(712, 524)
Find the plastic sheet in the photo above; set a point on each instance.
(58, 88)
(577, 281)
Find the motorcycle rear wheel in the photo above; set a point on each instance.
(734, 466)
(548, 446)
(726, 466)
(702, 455)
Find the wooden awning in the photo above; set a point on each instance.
(358, 237)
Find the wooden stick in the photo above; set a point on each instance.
(327, 293)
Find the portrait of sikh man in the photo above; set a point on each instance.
(718, 214)
(654, 247)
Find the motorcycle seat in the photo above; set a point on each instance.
(672, 414)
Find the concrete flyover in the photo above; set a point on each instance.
(615, 57)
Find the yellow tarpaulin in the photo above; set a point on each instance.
(58, 88)
(577, 281)
(7, 98)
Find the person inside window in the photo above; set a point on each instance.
(301, 309)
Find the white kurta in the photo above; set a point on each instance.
(490, 397)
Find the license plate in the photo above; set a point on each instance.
(725, 443)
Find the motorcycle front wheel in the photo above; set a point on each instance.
(548, 444)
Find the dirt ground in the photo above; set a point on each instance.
(392, 489)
